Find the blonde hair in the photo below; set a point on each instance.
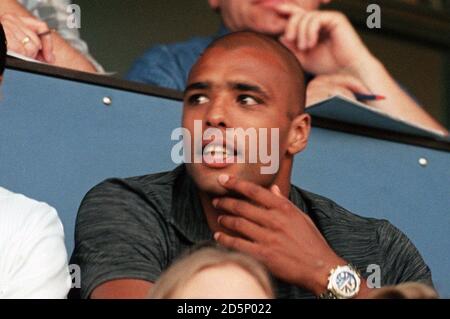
(203, 257)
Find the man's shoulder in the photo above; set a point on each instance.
(191, 47)
(326, 209)
(364, 240)
(19, 213)
(168, 65)
(146, 184)
(146, 195)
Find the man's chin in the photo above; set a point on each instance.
(211, 187)
(206, 179)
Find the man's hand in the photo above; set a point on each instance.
(276, 232)
(325, 86)
(324, 41)
(22, 34)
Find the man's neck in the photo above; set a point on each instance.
(211, 213)
(283, 181)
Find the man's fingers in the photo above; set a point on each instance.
(313, 32)
(243, 227)
(288, 9)
(276, 190)
(255, 193)
(19, 41)
(304, 31)
(41, 27)
(25, 31)
(47, 48)
(290, 32)
(13, 43)
(243, 209)
(34, 24)
(237, 243)
(28, 32)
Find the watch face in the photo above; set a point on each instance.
(345, 282)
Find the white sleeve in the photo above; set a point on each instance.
(54, 13)
(37, 258)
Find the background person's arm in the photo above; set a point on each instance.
(65, 55)
(326, 43)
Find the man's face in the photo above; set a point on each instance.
(238, 88)
(258, 15)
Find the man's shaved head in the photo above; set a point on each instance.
(249, 82)
(288, 62)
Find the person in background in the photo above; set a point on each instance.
(235, 276)
(33, 257)
(324, 42)
(28, 26)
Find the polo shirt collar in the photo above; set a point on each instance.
(187, 211)
(223, 30)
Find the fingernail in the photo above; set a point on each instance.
(223, 179)
(215, 201)
(219, 219)
(216, 236)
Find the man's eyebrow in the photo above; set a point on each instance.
(245, 87)
(197, 86)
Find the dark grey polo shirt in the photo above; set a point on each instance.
(135, 227)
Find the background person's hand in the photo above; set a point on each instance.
(276, 232)
(324, 41)
(325, 86)
(22, 34)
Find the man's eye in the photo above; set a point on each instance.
(198, 99)
(248, 100)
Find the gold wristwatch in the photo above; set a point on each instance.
(343, 283)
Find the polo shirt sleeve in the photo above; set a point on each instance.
(118, 235)
(159, 67)
(402, 261)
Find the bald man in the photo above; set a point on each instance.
(130, 230)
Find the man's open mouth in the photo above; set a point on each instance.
(218, 152)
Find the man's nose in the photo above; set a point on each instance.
(216, 115)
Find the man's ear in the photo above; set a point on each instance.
(214, 4)
(299, 133)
